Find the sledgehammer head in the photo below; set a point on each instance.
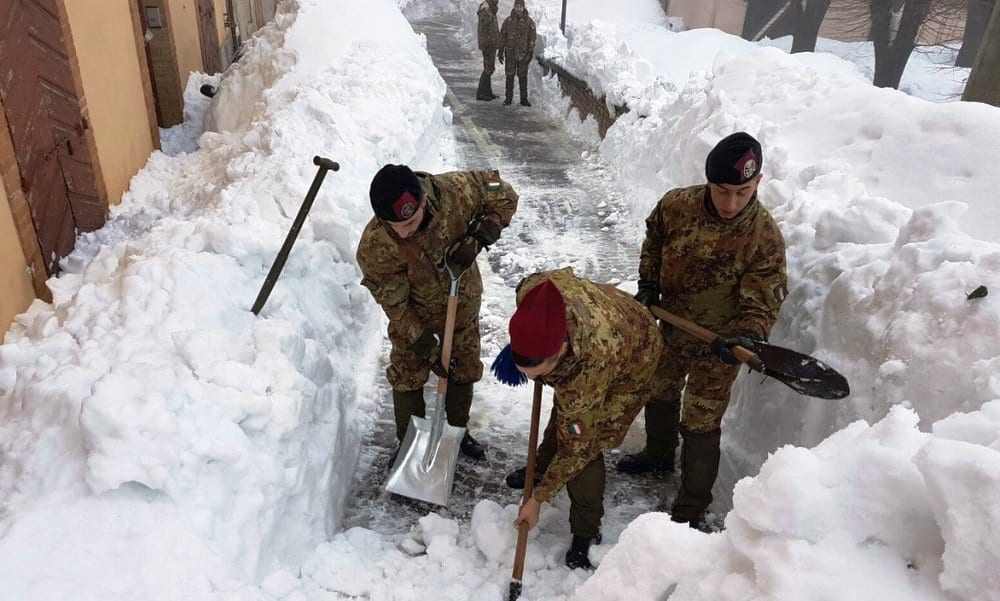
(326, 163)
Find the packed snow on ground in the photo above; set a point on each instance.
(158, 441)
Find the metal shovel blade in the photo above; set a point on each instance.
(802, 373)
(425, 467)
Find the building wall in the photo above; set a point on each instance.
(848, 25)
(727, 15)
(113, 86)
(220, 20)
(696, 13)
(841, 23)
(15, 281)
(161, 50)
(187, 43)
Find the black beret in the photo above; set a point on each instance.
(736, 159)
(395, 193)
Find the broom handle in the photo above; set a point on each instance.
(529, 482)
(708, 336)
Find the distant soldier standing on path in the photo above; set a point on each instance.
(424, 223)
(517, 48)
(714, 256)
(489, 42)
(574, 335)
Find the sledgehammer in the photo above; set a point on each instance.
(286, 248)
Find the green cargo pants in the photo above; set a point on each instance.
(586, 489)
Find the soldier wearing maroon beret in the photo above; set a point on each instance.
(598, 348)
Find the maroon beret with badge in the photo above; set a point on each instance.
(538, 326)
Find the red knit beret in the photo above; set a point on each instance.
(538, 326)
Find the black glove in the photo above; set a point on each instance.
(722, 346)
(481, 234)
(649, 292)
(427, 347)
(486, 231)
(462, 254)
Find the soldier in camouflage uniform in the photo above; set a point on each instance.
(489, 41)
(572, 334)
(517, 48)
(715, 256)
(422, 224)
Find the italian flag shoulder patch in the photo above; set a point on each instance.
(575, 429)
(493, 185)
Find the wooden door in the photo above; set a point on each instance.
(47, 126)
(209, 36)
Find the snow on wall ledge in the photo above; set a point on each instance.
(147, 399)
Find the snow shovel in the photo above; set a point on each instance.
(286, 247)
(425, 465)
(529, 487)
(804, 374)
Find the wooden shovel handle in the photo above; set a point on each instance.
(529, 481)
(744, 355)
(449, 333)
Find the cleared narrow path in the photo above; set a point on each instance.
(568, 215)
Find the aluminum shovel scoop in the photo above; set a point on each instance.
(425, 465)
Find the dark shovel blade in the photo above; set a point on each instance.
(802, 373)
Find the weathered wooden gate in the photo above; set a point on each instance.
(209, 36)
(47, 126)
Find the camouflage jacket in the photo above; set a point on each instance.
(489, 30)
(407, 277)
(725, 275)
(517, 37)
(603, 382)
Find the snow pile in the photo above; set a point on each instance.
(160, 441)
(881, 513)
(885, 201)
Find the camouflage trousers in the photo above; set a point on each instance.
(586, 488)
(408, 372)
(704, 402)
(489, 60)
(512, 67)
(699, 413)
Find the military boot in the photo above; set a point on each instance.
(523, 84)
(699, 468)
(642, 462)
(484, 92)
(471, 448)
(405, 404)
(662, 419)
(579, 549)
(509, 98)
(457, 402)
(518, 477)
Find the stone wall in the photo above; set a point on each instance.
(583, 98)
